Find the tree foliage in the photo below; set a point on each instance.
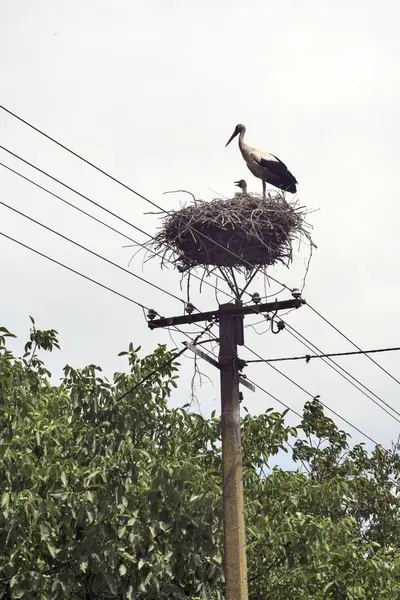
(102, 497)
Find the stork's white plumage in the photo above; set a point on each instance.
(266, 167)
(243, 186)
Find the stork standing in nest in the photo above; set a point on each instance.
(266, 167)
(243, 186)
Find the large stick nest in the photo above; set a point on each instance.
(244, 232)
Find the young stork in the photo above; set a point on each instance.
(266, 167)
(243, 186)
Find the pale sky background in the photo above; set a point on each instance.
(150, 92)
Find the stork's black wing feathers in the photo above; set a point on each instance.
(274, 165)
(277, 167)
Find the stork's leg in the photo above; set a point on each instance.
(264, 186)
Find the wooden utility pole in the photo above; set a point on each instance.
(230, 318)
(230, 334)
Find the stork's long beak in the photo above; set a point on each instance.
(234, 134)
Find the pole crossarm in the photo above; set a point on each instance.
(231, 310)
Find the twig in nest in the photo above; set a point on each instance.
(181, 192)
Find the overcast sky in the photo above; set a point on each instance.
(150, 92)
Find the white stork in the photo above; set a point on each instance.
(243, 186)
(266, 167)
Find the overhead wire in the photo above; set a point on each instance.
(308, 357)
(73, 206)
(113, 291)
(315, 396)
(142, 279)
(60, 264)
(310, 395)
(306, 392)
(41, 187)
(353, 343)
(110, 212)
(346, 375)
(343, 372)
(346, 378)
(120, 233)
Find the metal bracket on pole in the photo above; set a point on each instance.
(214, 363)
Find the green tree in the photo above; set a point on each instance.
(106, 492)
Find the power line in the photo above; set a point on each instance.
(93, 252)
(127, 237)
(307, 357)
(343, 372)
(273, 397)
(88, 162)
(340, 332)
(142, 306)
(340, 370)
(60, 264)
(306, 392)
(314, 396)
(68, 187)
(294, 411)
(353, 343)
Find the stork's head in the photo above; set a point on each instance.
(241, 184)
(238, 129)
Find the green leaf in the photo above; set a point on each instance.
(52, 550)
(44, 532)
(5, 500)
(83, 563)
(112, 583)
(121, 532)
